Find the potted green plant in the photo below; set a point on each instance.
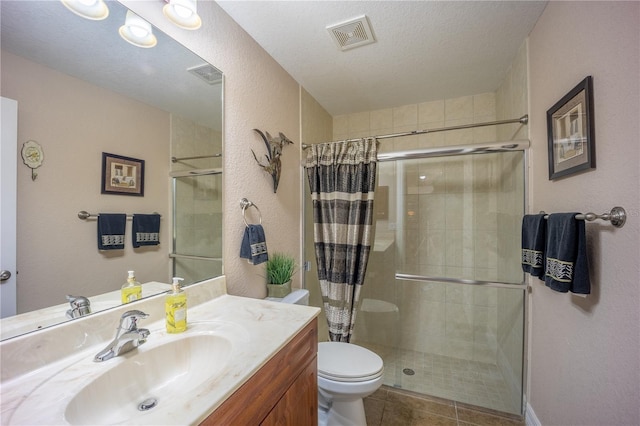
(280, 269)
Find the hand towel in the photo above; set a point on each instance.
(533, 244)
(111, 229)
(254, 245)
(145, 230)
(567, 267)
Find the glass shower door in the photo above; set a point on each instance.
(443, 302)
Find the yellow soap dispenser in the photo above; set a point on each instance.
(175, 307)
(131, 290)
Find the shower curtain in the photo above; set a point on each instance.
(342, 179)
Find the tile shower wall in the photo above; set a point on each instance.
(445, 226)
(198, 215)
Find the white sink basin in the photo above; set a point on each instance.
(161, 375)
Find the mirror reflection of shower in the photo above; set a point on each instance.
(197, 224)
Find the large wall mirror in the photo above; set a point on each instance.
(82, 91)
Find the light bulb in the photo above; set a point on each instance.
(137, 31)
(95, 10)
(183, 13)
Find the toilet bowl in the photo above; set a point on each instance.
(347, 373)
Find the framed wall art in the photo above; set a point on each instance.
(122, 175)
(570, 130)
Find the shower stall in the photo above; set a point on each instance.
(197, 224)
(444, 297)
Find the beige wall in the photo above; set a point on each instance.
(585, 352)
(258, 93)
(57, 252)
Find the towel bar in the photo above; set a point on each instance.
(617, 216)
(84, 215)
(244, 204)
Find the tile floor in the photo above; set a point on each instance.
(470, 382)
(389, 407)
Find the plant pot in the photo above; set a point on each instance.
(278, 290)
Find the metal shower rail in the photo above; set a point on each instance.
(176, 159)
(522, 120)
(446, 151)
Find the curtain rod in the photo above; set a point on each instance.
(522, 120)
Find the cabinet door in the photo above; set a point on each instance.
(299, 405)
(292, 372)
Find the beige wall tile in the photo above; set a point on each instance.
(381, 119)
(459, 108)
(406, 115)
(431, 113)
(484, 105)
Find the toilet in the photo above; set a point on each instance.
(347, 373)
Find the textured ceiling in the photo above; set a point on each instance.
(425, 50)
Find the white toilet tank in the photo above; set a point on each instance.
(297, 297)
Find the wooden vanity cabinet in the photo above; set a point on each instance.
(283, 392)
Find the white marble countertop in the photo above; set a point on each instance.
(258, 329)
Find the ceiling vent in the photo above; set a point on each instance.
(207, 73)
(351, 34)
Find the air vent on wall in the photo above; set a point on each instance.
(351, 34)
(207, 72)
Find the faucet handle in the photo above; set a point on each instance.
(129, 319)
(80, 306)
(134, 313)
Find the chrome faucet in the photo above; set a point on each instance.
(128, 336)
(80, 306)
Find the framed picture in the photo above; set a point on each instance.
(570, 129)
(122, 175)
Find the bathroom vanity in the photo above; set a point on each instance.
(284, 391)
(241, 361)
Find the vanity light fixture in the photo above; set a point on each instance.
(137, 31)
(183, 13)
(95, 10)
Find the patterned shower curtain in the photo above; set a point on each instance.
(342, 178)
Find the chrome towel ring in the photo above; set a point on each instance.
(245, 204)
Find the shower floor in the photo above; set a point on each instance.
(471, 382)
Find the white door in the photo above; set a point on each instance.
(8, 185)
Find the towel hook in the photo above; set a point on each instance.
(244, 204)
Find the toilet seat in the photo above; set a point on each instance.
(346, 362)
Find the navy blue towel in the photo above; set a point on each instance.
(145, 230)
(567, 268)
(254, 245)
(111, 229)
(533, 244)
